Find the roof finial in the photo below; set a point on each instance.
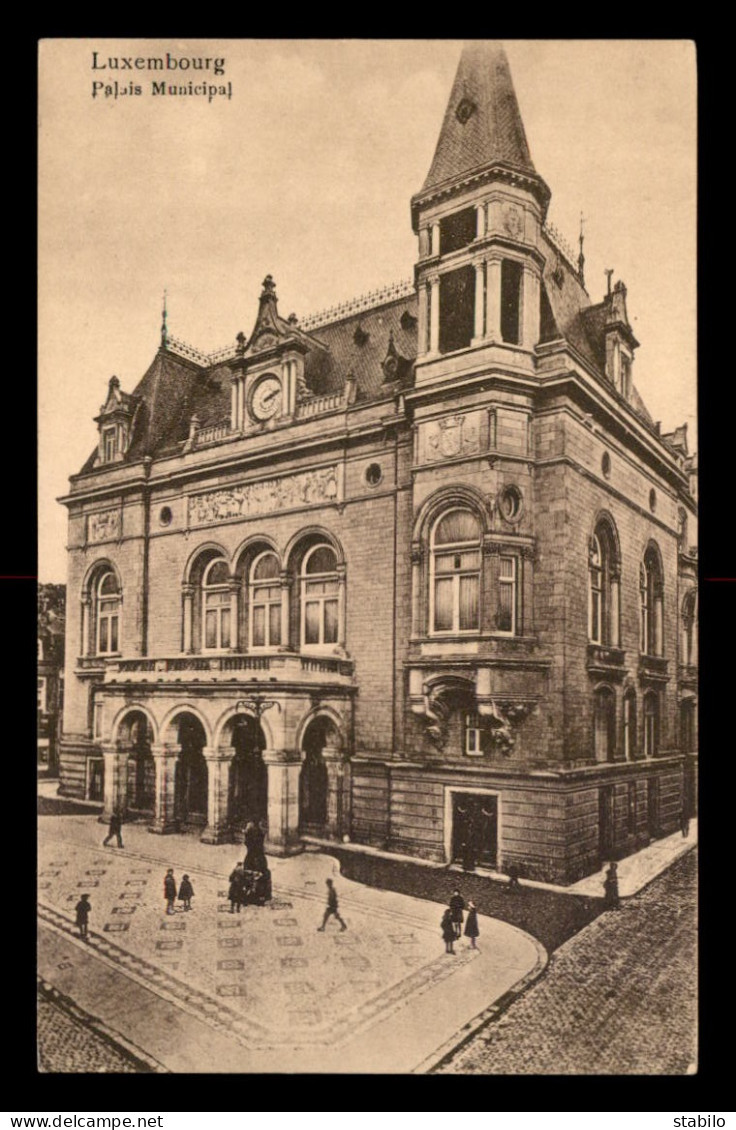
(164, 331)
(581, 257)
(608, 273)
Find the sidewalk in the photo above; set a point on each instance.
(260, 991)
(637, 871)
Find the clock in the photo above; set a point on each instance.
(265, 399)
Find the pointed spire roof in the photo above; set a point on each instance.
(482, 128)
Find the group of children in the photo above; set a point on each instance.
(452, 922)
(248, 886)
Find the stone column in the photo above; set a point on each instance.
(658, 626)
(338, 792)
(234, 587)
(480, 300)
(416, 590)
(434, 315)
(423, 242)
(493, 299)
(187, 594)
(530, 308)
(341, 605)
(284, 581)
(165, 757)
(434, 242)
(480, 221)
(283, 801)
(116, 779)
(234, 403)
(218, 780)
(86, 603)
(423, 321)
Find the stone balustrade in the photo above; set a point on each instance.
(226, 667)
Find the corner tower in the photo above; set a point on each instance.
(478, 217)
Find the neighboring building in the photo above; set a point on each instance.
(50, 675)
(412, 571)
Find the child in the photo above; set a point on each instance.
(83, 908)
(186, 890)
(471, 925)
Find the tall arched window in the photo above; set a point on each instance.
(603, 587)
(604, 724)
(216, 625)
(107, 610)
(265, 601)
(455, 574)
(320, 599)
(651, 597)
(689, 628)
(651, 724)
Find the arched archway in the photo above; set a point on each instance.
(313, 778)
(135, 736)
(248, 789)
(190, 793)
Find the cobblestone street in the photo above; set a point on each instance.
(264, 978)
(66, 1044)
(618, 998)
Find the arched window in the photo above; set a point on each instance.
(629, 734)
(651, 724)
(265, 601)
(107, 615)
(689, 628)
(604, 724)
(320, 599)
(603, 587)
(455, 575)
(216, 625)
(651, 595)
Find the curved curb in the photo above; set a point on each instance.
(142, 1061)
(445, 1051)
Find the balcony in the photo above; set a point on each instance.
(283, 668)
(606, 661)
(654, 668)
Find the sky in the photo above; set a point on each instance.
(306, 173)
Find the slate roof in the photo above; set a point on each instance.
(482, 123)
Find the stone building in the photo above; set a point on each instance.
(418, 571)
(49, 675)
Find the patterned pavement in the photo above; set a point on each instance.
(265, 977)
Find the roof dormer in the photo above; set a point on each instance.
(115, 423)
(619, 339)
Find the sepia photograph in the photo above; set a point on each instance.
(367, 649)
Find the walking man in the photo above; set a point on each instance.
(83, 908)
(684, 822)
(610, 888)
(116, 824)
(331, 906)
(170, 891)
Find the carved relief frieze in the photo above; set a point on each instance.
(105, 525)
(248, 500)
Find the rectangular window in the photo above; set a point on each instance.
(113, 633)
(41, 695)
(110, 445)
(98, 720)
(469, 592)
(103, 634)
(274, 624)
(506, 609)
(210, 630)
(457, 230)
(443, 590)
(259, 626)
(225, 628)
(510, 301)
(457, 309)
(330, 621)
(473, 745)
(311, 622)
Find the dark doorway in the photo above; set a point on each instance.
(313, 778)
(191, 773)
(96, 788)
(457, 309)
(141, 766)
(474, 830)
(653, 806)
(248, 799)
(606, 837)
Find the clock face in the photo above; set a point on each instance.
(266, 398)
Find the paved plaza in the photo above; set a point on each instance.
(263, 990)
